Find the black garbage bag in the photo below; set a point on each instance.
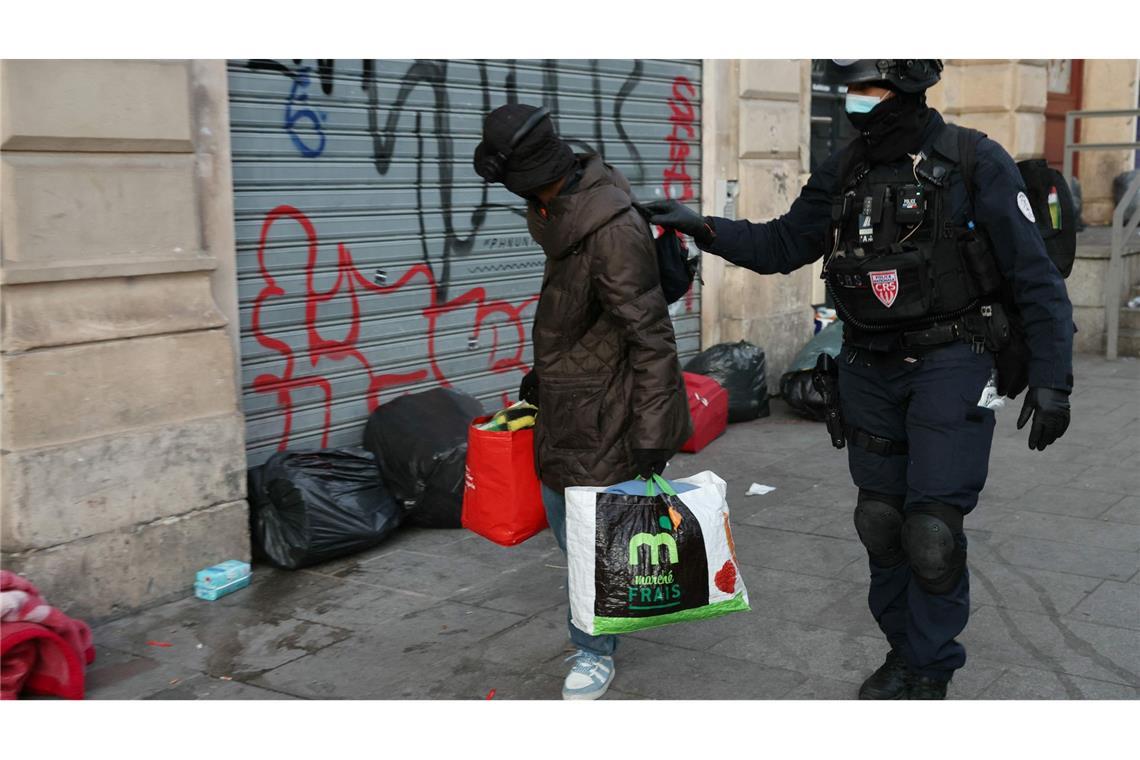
(420, 443)
(795, 384)
(740, 370)
(308, 507)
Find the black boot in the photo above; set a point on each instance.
(923, 687)
(889, 681)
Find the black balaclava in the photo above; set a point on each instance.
(894, 127)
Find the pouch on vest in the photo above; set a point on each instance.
(881, 289)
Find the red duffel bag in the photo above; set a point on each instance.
(502, 498)
(708, 406)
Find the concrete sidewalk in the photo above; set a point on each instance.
(1054, 562)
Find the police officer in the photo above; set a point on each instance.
(930, 273)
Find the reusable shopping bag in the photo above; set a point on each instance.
(640, 561)
(502, 498)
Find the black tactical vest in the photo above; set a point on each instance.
(898, 257)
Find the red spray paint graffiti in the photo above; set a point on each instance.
(682, 116)
(352, 284)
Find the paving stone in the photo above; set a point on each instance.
(834, 497)
(206, 687)
(850, 613)
(235, 641)
(1031, 683)
(784, 550)
(659, 671)
(1055, 556)
(1004, 486)
(1063, 500)
(841, 525)
(807, 649)
(1113, 604)
(539, 642)
(1063, 645)
(817, 687)
(1041, 591)
(857, 572)
(478, 548)
(475, 679)
(1125, 511)
(1122, 480)
(438, 576)
(804, 598)
(972, 679)
(789, 517)
(272, 589)
(522, 589)
(358, 608)
(404, 657)
(120, 675)
(1074, 530)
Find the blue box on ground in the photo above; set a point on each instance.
(214, 593)
(222, 574)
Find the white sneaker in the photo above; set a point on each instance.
(590, 676)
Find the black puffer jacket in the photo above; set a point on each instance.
(604, 349)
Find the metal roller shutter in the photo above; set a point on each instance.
(373, 261)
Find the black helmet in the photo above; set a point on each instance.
(906, 75)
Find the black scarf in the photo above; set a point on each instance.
(893, 128)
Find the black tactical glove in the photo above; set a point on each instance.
(678, 216)
(650, 462)
(1050, 411)
(528, 389)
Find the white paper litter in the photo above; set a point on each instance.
(759, 490)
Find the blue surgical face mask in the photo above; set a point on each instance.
(860, 103)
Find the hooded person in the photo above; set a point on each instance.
(606, 379)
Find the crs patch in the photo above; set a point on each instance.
(1026, 208)
(885, 286)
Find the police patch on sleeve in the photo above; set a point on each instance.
(1026, 209)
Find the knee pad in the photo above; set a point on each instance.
(930, 539)
(879, 523)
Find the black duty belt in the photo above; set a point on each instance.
(874, 443)
(935, 335)
(942, 333)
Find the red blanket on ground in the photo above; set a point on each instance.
(42, 651)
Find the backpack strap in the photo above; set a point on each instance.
(959, 146)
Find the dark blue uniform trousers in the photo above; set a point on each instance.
(928, 398)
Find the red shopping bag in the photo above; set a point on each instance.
(708, 408)
(502, 498)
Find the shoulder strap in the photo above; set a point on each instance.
(850, 162)
(967, 149)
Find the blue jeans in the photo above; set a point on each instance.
(555, 504)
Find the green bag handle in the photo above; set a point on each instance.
(658, 482)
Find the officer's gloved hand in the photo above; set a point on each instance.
(1049, 408)
(678, 216)
(650, 462)
(528, 389)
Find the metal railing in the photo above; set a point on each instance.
(1122, 230)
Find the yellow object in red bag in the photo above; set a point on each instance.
(502, 497)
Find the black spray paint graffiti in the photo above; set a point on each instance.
(383, 121)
